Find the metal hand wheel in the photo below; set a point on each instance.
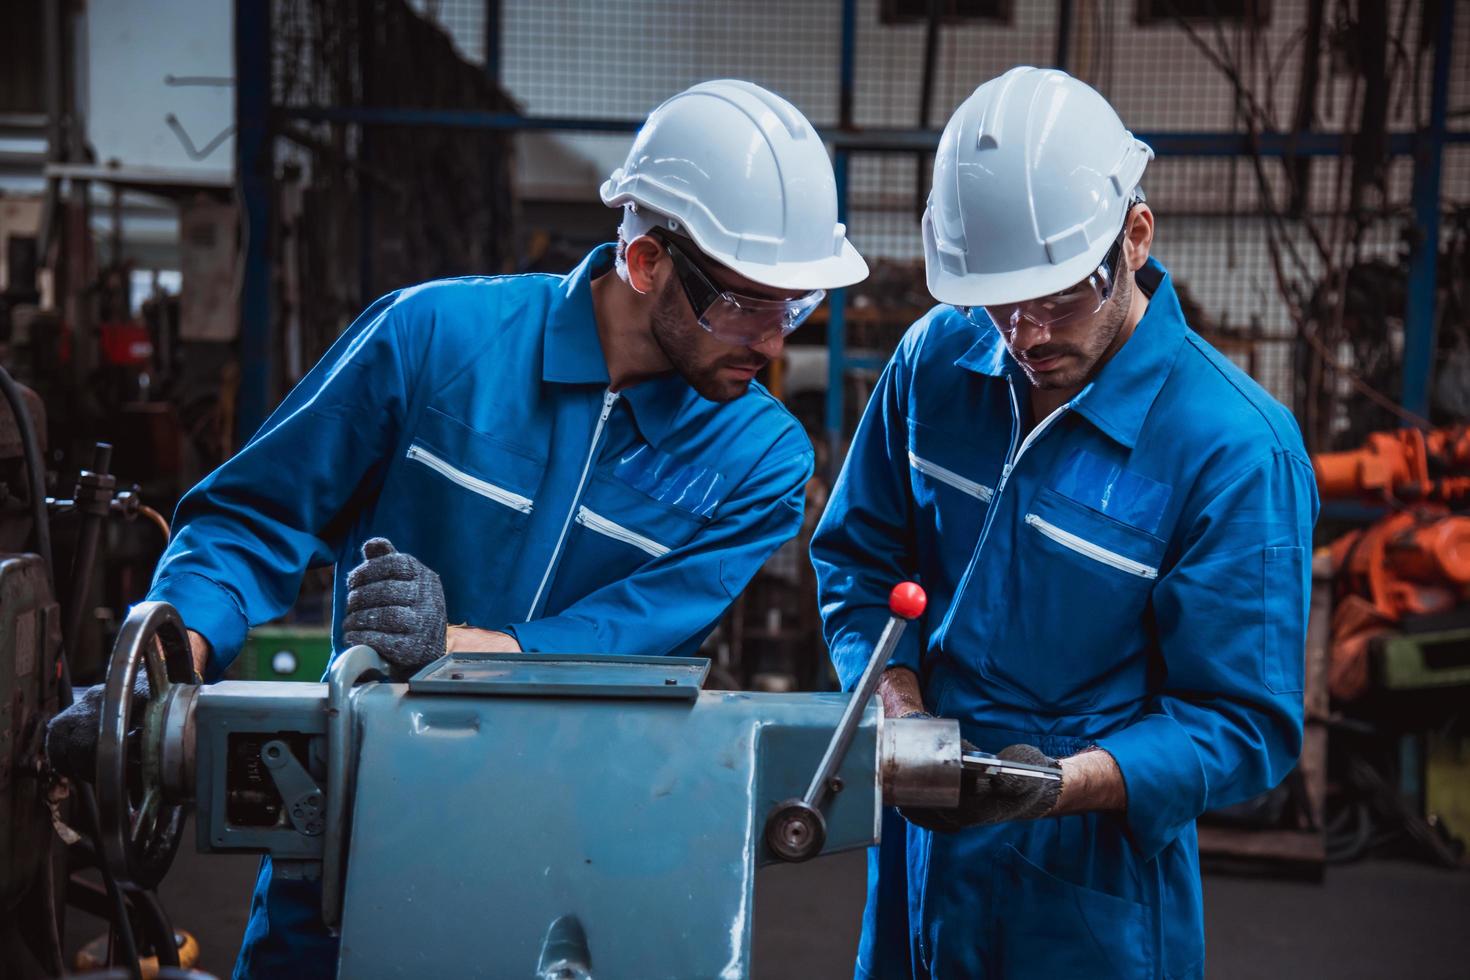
(140, 827)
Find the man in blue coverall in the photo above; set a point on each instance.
(1113, 525)
(584, 459)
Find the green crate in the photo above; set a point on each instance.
(1418, 661)
(284, 653)
(1447, 782)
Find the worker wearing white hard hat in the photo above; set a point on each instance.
(729, 213)
(564, 463)
(1112, 523)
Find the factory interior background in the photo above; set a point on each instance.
(198, 196)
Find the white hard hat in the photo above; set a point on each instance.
(742, 172)
(1032, 180)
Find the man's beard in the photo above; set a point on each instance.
(1088, 353)
(680, 344)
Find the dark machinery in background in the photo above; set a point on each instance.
(1409, 572)
(367, 209)
(44, 631)
(1400, 648)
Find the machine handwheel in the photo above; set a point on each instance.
(140, 829)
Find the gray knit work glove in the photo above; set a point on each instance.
(995, 799)
(71, 736)
(395, 604)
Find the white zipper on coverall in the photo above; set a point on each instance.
(594, 521)
(962, 484)
(1096, 552)
(1013, 457)
(474, 484)
(608, 398)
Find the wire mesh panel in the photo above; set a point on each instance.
(973, 42)
(620, 58)
(1295, 265)
(368, 208)
(1268, 248)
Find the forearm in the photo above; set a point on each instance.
(198, 651)
(468, 639)
(1091, 781)
(898, 691)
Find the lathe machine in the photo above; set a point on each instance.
(512, 815)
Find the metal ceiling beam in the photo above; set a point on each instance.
(1197, 143)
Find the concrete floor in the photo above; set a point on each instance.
(1379, 920)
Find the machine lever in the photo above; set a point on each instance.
(299, 792)
(796, 829)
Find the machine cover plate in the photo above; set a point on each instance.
(563, 675)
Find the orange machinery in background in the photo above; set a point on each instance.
(1413, 562)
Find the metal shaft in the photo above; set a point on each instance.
(93, 500)
(821, 787)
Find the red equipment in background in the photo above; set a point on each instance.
(1415, 561)
(1400, 466)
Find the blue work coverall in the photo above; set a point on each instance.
(1130, 573)
(470, 421)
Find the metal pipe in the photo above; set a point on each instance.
(158, 520)
(55, 150)
(837, 341)
(254, 163)
(93, 501)
(494, 22)
(836, 409)
(1196, 143)
(847, 67)
(1419, 340)
(1064, 33)
(926, 99)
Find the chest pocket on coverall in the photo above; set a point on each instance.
(952, 491)
(1081, 586)
(618, 527)
(481, 486)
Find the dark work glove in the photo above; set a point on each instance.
(995, 799)
(395, 604)
(71, 736)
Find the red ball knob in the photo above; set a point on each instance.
(907, 600)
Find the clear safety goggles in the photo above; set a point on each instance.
(1081, 300)
(731, 317)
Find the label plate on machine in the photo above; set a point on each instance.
(563, 675)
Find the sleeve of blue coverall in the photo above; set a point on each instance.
(674, 600)
(245, 535)
(864, 544)
(1231, 618)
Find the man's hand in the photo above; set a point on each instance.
(395, 604)
(1091, 781)
(71, 736)
(996, 799)
(467, 639)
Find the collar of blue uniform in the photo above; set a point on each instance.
(573, 352)
(1118, 399)
(657, 403)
